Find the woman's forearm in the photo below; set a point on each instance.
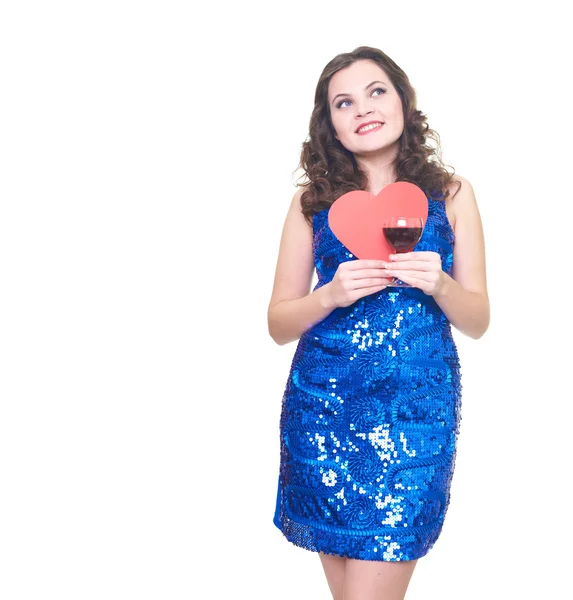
(289, 319)
(466, 311)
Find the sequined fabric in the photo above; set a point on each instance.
(370, 416)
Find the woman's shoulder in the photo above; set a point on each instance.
(461, 199)
(460, 192)
(457, 184)
(296, 198)
(296, 203)
(301, 189)
(296, 212)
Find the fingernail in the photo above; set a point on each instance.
(392, 256)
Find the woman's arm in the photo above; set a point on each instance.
(292, 309)
(463, 297)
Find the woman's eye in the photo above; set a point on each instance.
(383, 91)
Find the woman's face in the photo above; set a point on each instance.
(359, 94)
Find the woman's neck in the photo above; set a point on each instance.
(379, 170)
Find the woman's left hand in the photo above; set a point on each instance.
(419, 269)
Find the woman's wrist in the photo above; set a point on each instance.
(443, 287)
(324, 297)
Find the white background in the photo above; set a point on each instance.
(147, 159)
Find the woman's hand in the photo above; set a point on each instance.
(355, 279)
(420, 269)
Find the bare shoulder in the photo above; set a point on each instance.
(298, 195)
(295, 210)
(295, 261)
(469, 249)
(462, 199)
(461, 190)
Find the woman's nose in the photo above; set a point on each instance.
(362, 111)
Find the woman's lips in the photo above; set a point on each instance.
(367, 131)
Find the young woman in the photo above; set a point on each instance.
(372, 407)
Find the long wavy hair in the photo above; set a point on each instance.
(331, 170)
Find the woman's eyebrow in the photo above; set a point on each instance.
(346, 94)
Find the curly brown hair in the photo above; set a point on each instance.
(331, 170)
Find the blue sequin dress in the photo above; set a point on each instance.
(370, 416)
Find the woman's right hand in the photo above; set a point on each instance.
(355, 279)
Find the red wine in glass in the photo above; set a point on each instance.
(403, 233)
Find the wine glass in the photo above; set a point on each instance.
(402, 233)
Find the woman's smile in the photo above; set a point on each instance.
(369, 127)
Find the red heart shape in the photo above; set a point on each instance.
(356, 218)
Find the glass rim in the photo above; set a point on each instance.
(395, 219)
